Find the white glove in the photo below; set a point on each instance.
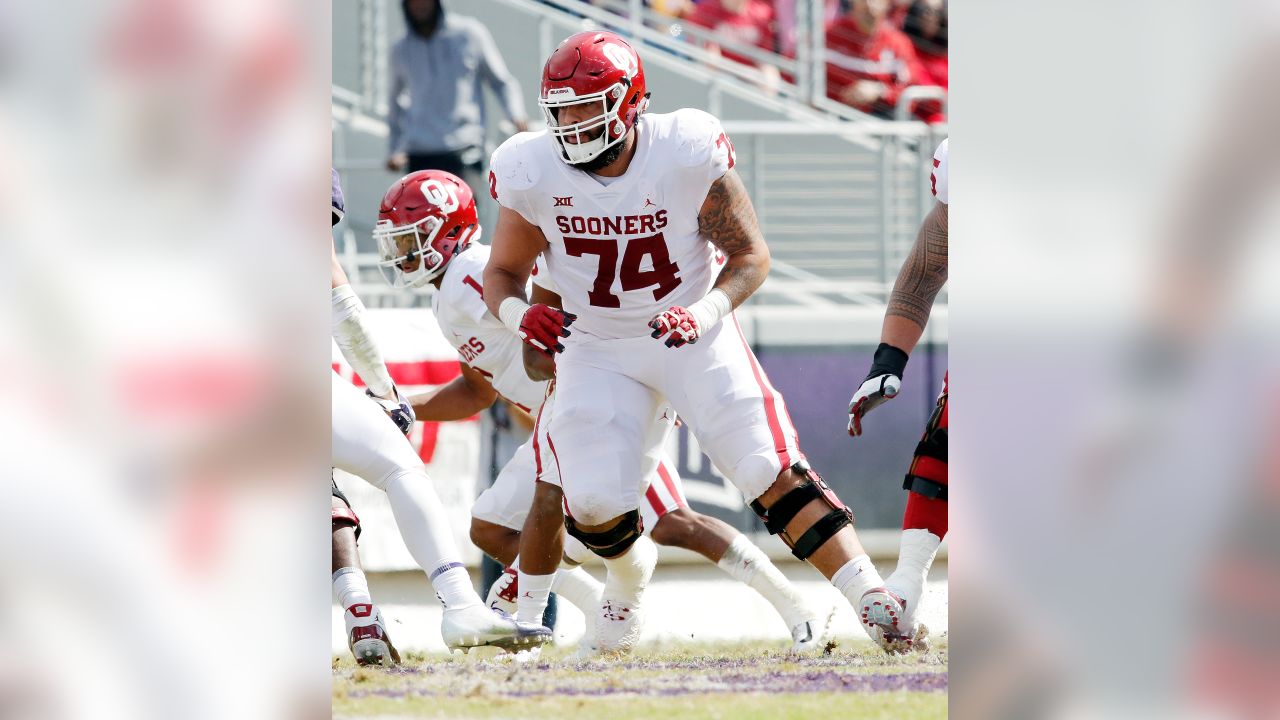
(882, 383)
(870, 394)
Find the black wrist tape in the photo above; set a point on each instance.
(888, 360)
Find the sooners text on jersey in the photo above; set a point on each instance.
(622, 252)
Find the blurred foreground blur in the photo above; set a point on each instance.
(162, 332)
(1115, 551)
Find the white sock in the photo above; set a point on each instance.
(578, 587)
(535, 590)
(916, 551)
(425, 530)
(453, 586)
(748, 564)
(855, 578)
(350, 587)
(630, 572)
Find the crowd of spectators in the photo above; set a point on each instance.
(875, 48)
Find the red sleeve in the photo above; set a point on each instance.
(768, 30)
(837, 78)
(694, 16)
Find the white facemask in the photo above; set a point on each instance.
(431, 263)
(572, 139)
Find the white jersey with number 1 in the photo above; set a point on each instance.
(621, 249)
(483, 342)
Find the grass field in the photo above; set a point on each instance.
(747, 681)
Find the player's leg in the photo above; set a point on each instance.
(499, 511)
(497, 518)
(498, 542)
(741, 422)
(366, 632)
(366, 444)
(924, 525)
(596, 439)
(542, 534)
(503, 545)
(677, 525)
(552, 564)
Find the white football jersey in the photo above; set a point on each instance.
(938, 180)
(483, 342)
(621, 253)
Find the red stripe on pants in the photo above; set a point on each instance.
(671, 485)
(655, 502)
(770, 412)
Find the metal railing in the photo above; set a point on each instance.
(803, 76)
(839, 214)
(798, 91)
(916, 93)
(718, 73)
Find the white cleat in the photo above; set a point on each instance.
(529, 655)
(367, 636)
(618, 624)
(617, 628)
(502, 594)
(476, 626)
(810, 637)
(883, 615)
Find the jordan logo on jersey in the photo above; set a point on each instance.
(649, 203)
(563, 201)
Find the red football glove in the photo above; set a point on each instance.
(678, 324)
(542, 327)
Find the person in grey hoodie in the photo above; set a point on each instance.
(437, 114)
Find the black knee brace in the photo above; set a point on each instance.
(934, 443)
(612, 542)
(931, 489)
(343, 516)
(783, 511)
(933, 446)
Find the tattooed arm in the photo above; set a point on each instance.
(728, 221)
(922, 276)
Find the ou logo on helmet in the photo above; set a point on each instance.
(621, 59)
(440, 194)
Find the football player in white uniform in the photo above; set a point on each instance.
(367, 445)
(649, 236)
(366, 631)
(925, 522)
(427, 225)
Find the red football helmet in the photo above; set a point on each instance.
(593, 67)
(426, 218)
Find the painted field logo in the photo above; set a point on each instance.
(563, 201)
